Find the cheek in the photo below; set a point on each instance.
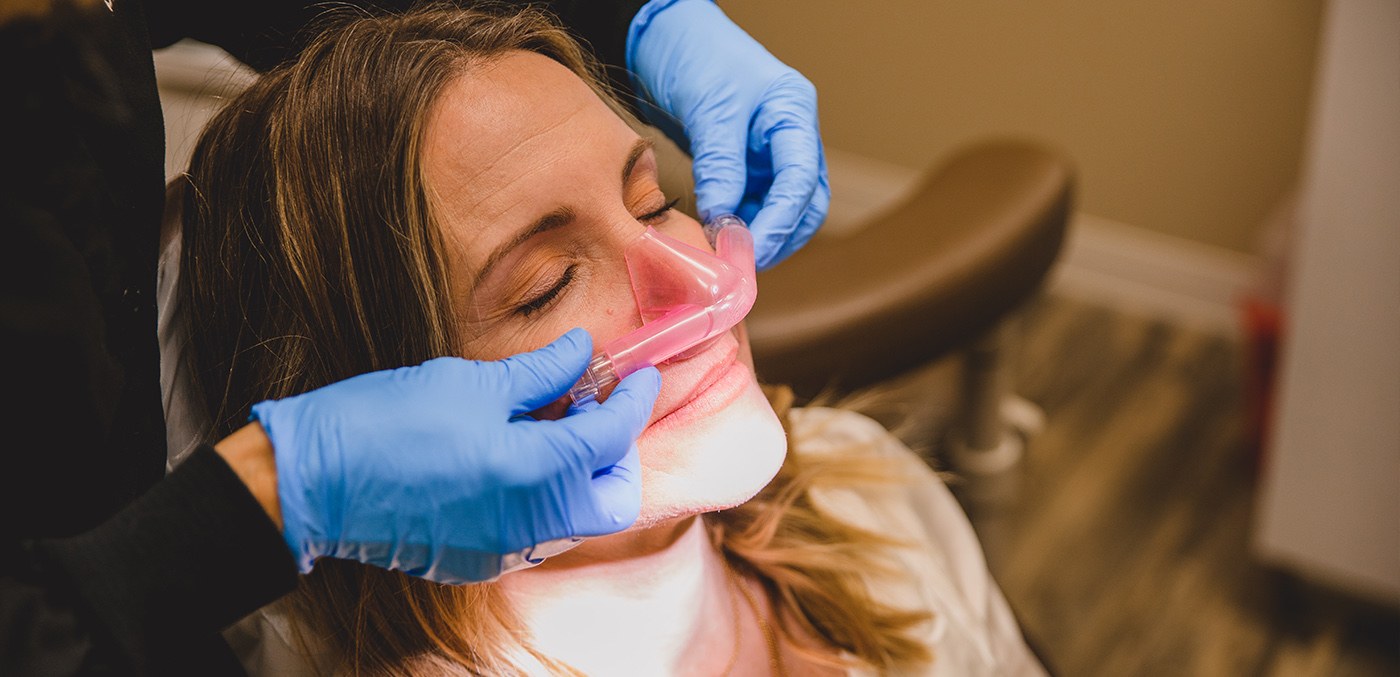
(601, 303)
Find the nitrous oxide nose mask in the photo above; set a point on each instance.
(687, 296)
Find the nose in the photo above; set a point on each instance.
(667, 273)
(686, 297)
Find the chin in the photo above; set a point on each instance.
(714, 453)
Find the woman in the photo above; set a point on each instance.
(460, 183)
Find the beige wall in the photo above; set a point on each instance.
(1184, 117)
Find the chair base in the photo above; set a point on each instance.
(991, 432)
(994, 460)
(1021, 420)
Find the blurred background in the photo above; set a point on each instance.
(1200, 385)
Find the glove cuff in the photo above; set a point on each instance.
(294, 496)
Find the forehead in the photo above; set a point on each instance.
(510, 126)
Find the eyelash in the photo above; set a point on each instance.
(543, 301)
(660, 212)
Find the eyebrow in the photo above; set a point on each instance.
(641, 146)
(555, 219)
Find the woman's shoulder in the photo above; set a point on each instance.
(884, 482)
(832, 433)
(881, 484)
(832, 430)
(940, 566)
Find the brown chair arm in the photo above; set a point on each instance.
(975, 239)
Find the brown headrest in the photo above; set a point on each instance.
(974, 239)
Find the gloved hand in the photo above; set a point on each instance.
(435, 470)
(749, 121)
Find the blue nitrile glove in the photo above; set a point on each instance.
(749, 121)
(435, 470)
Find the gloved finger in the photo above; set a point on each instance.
(614, 425)
(719, 165)
(617, 497)
(539, 377)
(797, 174)
(810, 221)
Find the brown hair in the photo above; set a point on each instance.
(311, 254)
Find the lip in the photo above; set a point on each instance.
(719, 378)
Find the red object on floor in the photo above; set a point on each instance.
(1263, 327)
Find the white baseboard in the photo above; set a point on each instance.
(1126, 267)
(1145, 272)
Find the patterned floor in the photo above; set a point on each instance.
(1123, 542)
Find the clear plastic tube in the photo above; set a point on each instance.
(686, 297)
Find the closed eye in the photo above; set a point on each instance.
(544, 300)
(656, 215)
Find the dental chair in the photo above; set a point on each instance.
(943, 270)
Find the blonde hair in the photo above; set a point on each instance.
(311, 254)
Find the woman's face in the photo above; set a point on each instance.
(539, 188)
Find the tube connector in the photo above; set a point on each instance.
(599, 375)
(715, 225)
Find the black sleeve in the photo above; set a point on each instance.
(263, 33)
(147, 589)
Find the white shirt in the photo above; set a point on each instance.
(973, 631)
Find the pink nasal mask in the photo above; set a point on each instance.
(687, 296)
